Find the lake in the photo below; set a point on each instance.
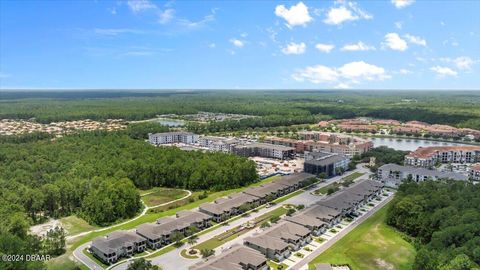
(408, 144)
(171, 122)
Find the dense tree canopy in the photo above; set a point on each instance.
(444, 218)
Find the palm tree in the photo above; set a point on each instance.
(192, 240)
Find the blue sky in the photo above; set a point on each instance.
(377, 44)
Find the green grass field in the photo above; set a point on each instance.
(372, 245)
(158, 196)
(338, 184)
(74, 225)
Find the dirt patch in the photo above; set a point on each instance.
(384, 265)
(42, 229)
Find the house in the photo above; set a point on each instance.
(172, 137)
(116, 245)
(160, 233)
(330, 164)
(235, 258)
(393, 174)
(223, 208)
(272, 247)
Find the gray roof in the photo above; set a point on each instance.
(167, 225)
(115, 241)
(227, 203)
(324, 158)
(322, 212)
(266, 146)
(267, 242)
(231, 259)
(423, 172)
(264, 189)
(172, 133)
(352, 195)
(293, 179)
(288, 231)
(306, 220)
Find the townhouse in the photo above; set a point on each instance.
(330, 164)
(172, 137)
(160, 233)
(116, 245)
(393, 175)
(226, 207)
(314, 224)
(428, 157)
(236, 258)
(277, 242)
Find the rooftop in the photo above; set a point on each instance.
(231, 259)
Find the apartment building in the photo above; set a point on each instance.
(172, 137)
(393, 174)
(220, 144)
(428, 157)
(475, 172)
(264, 150)
(330, 164)
(116, 245)
(226, 207)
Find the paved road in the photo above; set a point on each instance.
(337, 237)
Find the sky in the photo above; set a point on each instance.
(147, 44)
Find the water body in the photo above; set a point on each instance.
(171, 122)
(409, 144)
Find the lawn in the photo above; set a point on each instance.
(158, 196)
(372, 245)
(337, 185)
(276, 266)
(74, 225)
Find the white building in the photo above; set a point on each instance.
(172, 137)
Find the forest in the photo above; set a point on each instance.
(273, 108)
(444, 220)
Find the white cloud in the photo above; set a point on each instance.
(116, 31)
(404, 71)
(359, 46)
(402, 3)
(326, 48)
(353, 72)
(444, 71)
(346, 12)
(140, 5)
(462, 62)
(342, 86)
(395, 42)
(294, 48)
(166, 16)
(237, 42)
(212, 45)
(416, 40)
(296, 15)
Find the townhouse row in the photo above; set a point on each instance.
(121, 244)
(292, 233)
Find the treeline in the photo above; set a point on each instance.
(444, 219)
(383, 155)
(455, 108)
(96, 175)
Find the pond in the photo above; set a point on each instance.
(409, 144)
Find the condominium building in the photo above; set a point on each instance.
(330, 164)
(264, 150)
(428, 157)
(221, 144)
(475, 172)
(237, 257)
(172, 137)
(116, 245)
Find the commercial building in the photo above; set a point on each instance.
(264, 150)
(393, 174)
(172, 137)
(428, 157)
(160, 233)
(116, 245)
(236, 258)
(330, 164)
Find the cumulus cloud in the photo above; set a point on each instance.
(348, 11)
(462, 62)
(140, 5)
(359, 46)
(404, 71)
(395, 42)
(237, 42)
(353, 72)
(444, 71)
(416, 40)
(326, 48)
(295, 16)
(402, 3)
(294, 48)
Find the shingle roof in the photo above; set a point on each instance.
(115, 241)
(231, 259)
(225, 204)
(423, 172)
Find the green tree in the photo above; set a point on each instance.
(142, 264)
